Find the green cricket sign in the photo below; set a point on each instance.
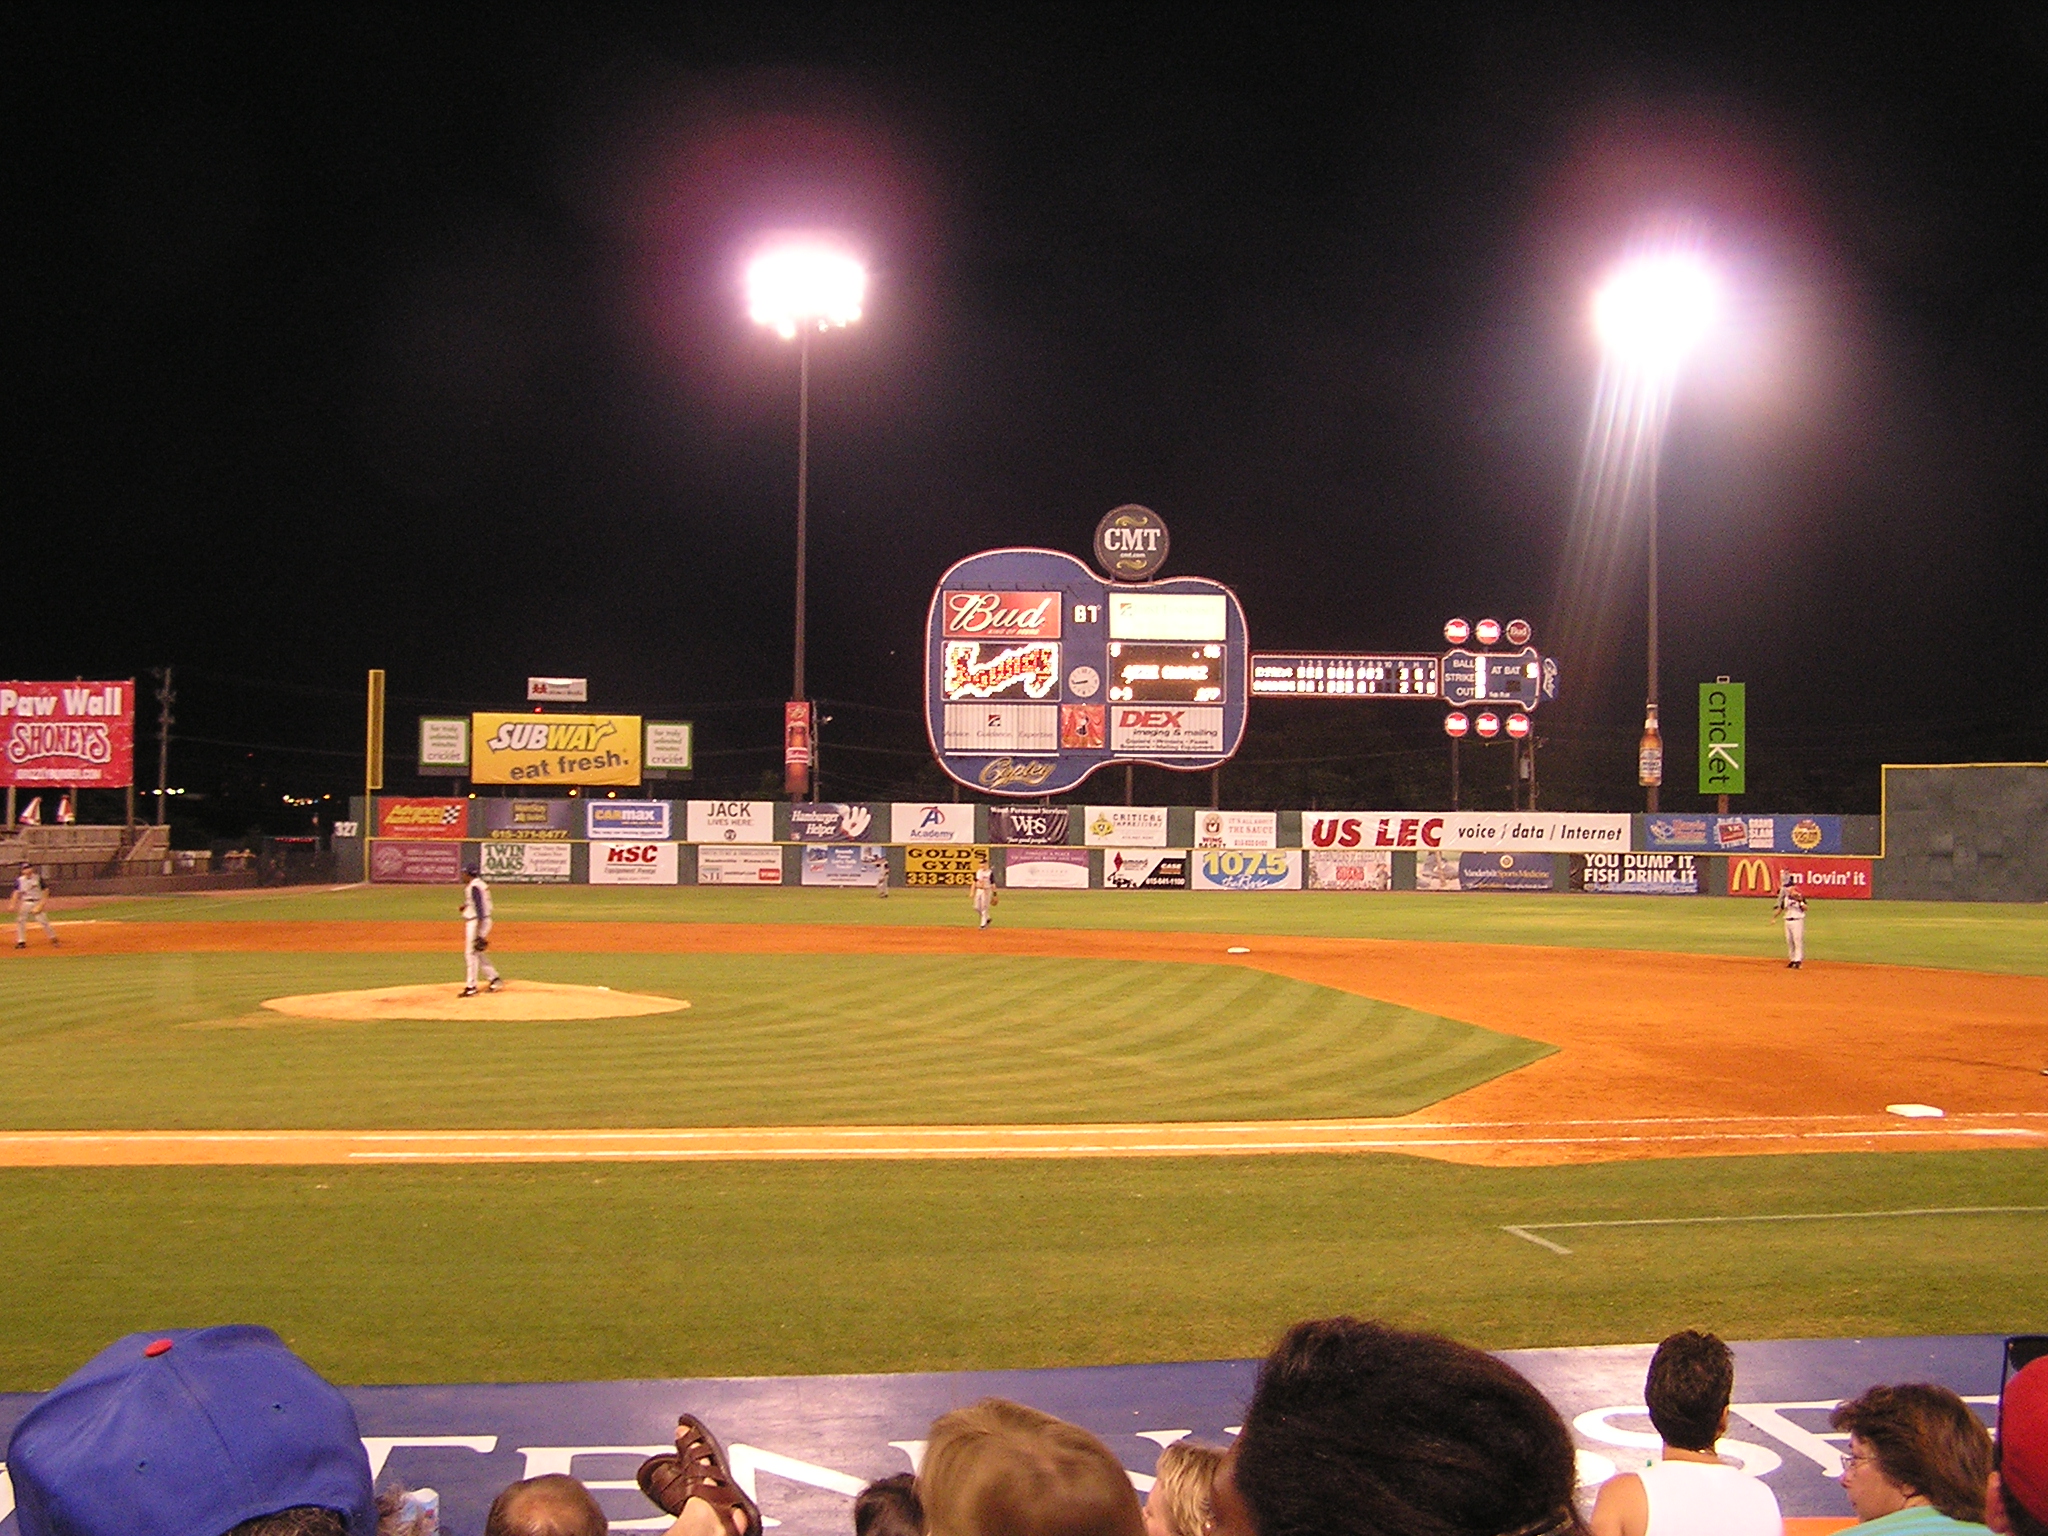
(1724, 754)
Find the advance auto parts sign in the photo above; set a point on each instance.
(398, 816)
(555, 749)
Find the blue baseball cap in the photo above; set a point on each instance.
(188, 1433)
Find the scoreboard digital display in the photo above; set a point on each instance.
(1038, 672)
(1150, 672)
(1334, 676)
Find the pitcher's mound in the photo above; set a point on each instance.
(520, 1000)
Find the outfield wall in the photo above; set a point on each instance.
(1965, 832)
(430, 839)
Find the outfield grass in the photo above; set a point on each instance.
(1950, 935)
(180, 1041)
(552, 1273)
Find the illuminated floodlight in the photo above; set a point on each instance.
(1654, 309)
(808, 285)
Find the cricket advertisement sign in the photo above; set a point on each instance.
(555, 749)
(1038, 672)
(68, 735)
(1724, 755)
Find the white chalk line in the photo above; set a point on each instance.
(1527, 1230)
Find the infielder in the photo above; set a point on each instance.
(476, 933)
(29, 895)
(984, 893)
(1791, 905)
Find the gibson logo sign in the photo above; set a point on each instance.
(1131, 543)
(1002, 615)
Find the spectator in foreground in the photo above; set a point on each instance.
(1918, 1460)
(554, 1505)
(1001, 1469)
(1358, 1429)
(1687, 1491)
(2017, 1501)
(888, 1507)
(1178, 1504)
(197, 1432)
(695, 1484)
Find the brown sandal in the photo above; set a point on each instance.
(698, 1470)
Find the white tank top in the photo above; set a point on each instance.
(1691, 1498)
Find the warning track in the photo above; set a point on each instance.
(1659, 1055)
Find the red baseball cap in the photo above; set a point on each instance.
(2023, 1439)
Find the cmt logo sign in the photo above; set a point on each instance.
(1833, 879)
(1368, 831)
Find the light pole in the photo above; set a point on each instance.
(796, 287)
(1650, 313)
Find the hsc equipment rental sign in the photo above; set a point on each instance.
(73, 735)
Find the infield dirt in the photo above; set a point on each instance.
(1659, 1055)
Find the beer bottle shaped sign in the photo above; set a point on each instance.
(1650, 753)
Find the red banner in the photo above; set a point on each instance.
(68, 735)
(443, 819)
(1763, 874)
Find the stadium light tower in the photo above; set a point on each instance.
(1650, 313)
(799, 286)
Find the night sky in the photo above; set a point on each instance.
(375, 339)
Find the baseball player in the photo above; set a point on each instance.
(476, 933)
(878, 864)
(1791, 905)
(984, 893)
(29, 895)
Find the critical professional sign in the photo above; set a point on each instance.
(1038, 672)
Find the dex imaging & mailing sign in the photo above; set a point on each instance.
(555, 749)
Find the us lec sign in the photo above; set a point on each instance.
(1724, 755)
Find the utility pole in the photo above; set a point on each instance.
(165, 698)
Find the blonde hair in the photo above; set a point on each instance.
(1182, 1483)
(1001, 1469)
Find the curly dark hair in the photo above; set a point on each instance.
(1691, 1378)
(1359, 1429)
(1927, 1441)
(888, 1507)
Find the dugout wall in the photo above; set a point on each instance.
(1965, 832)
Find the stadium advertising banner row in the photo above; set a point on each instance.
(1746, 834)
(68, 735)
(1467, 831)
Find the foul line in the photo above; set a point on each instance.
(1527, 1231)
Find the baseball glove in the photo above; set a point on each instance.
(481, 944)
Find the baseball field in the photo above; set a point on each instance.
(1115, 1127)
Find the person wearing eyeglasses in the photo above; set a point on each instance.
(1918, 1461)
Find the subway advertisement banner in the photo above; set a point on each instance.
(718, 865)
(68, 735)
(942, 865)
(1745, 834)
(1046, 869)
(1638, 874)
(1767, 874)
(526, 863)
(1145, 869)
(1363, 870)
(416, 817)
(615, 863)
(1245, 869)
(527, 821)
(554, 749)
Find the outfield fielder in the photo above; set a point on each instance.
(476, 934)
(29, 895)
(984, 893)
(1791, 905)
